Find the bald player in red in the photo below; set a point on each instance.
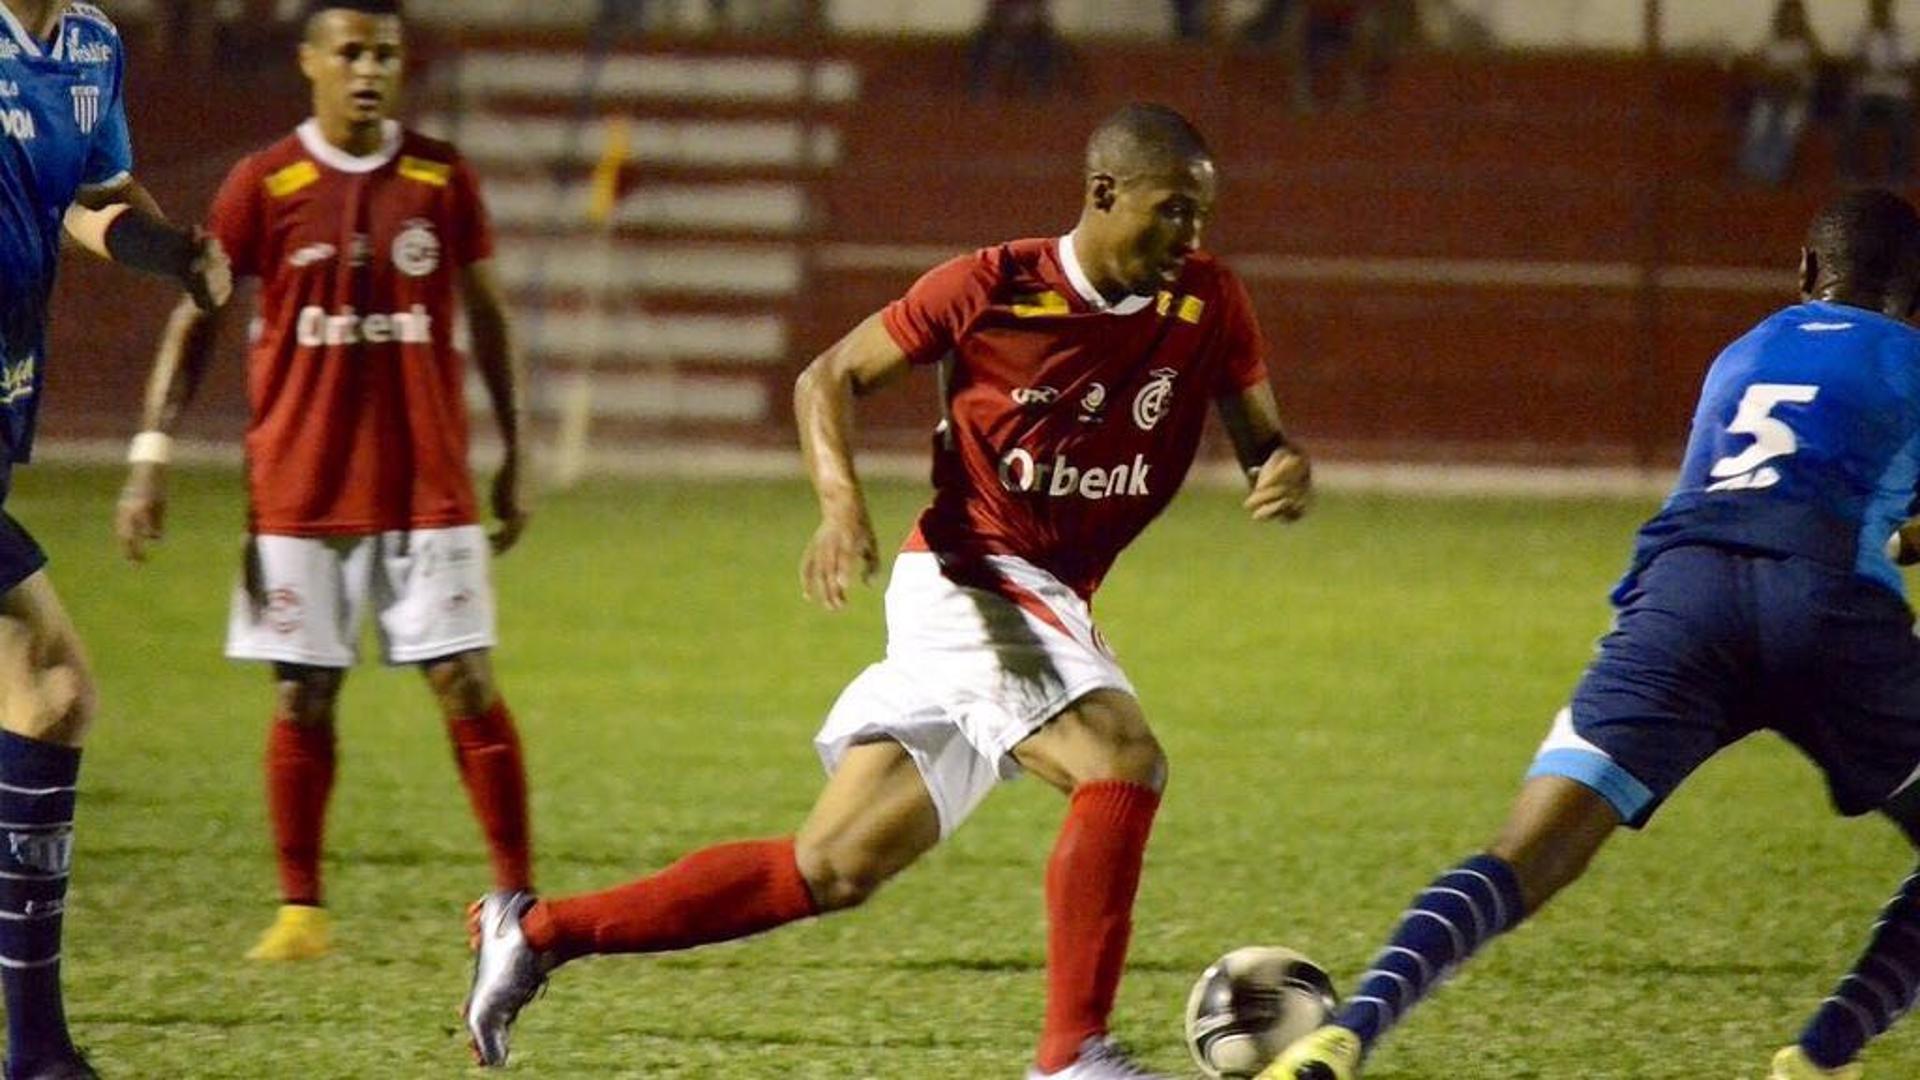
(1082, 371)
(367, 239)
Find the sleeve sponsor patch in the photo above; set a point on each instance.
(292, 178)
(433, 173)
(1185, 308)
(1039, 304)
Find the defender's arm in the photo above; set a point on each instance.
(186, 348)
(504, 376)
(1281, 474)
(843, 546)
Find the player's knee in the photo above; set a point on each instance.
(308, 696)
(67, 722)
(838, 875)
(1134, 756)
(463, 684)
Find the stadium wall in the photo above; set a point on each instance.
(1521, 258)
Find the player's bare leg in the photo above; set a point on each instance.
(1552, 833)
(1882, 986)
(1101, 752)
(300, 769)
(872, 820)
(46, 704)
(486, 747)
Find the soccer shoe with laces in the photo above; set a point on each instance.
(299, 932)
(1100, 1059)
(1329, 1052)
(1792, 1063)
(507, 972)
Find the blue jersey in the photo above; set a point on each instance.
(62, 128)
(1806, 442)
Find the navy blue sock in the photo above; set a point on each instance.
(1881, 986)
(36, 820)
(1457, 914)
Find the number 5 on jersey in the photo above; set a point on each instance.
(1772, 438)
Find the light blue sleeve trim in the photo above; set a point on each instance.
(1629, 797)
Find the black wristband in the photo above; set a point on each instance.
(148, 243)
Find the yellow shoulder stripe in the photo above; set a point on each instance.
(1190, 309)
(436, 173)
(292, 178)
(1039, 304)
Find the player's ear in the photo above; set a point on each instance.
(309, 60)
(1809, 271)
(1102, 190)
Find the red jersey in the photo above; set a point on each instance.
(1071, 422)
(358, 412)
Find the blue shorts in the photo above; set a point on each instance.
(20, 555)
(1711, 645)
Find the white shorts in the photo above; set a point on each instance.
(968, 675)
(301, 599)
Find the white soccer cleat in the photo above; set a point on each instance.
(1100, 1059)
(507, 973)
(1792, 1063)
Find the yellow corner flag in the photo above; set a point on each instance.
(606, 172)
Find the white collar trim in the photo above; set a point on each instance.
(335, 158)
(25, 37)
(1077, 277)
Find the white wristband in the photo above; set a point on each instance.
(150, 448)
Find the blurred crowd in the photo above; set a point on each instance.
(1790, 81)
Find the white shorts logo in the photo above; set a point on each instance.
(416, 251)
(1151, 403)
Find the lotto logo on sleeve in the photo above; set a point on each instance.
(1058, 479)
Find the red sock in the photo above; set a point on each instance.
(724, 892)
(299, 779)
(487, 749)
(1091, 881)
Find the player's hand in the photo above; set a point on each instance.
(1283, 488)
(842, 550)
(209, 276)
(31, 700)
(509, 505)
(140, 518)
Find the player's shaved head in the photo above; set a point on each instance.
(1144, 139)
(317, 8)
(1863, 248)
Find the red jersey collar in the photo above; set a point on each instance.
(333, 157)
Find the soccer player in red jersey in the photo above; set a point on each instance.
(362, 235)
(1082, 370)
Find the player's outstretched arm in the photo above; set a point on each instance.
(186, 348)
(128, 228)
(843, 548)
(1281, 474)
(504, 377)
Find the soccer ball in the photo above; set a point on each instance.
(1250, 1004)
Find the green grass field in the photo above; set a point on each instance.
(1348, 705)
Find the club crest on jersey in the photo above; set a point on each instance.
(86, 107)
(1151, 403)
(1093, 401)
(1035, 395)
(416, 251)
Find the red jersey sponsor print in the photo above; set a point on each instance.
(358, 413)
(1072, 422)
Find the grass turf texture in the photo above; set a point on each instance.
(1348, 705)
